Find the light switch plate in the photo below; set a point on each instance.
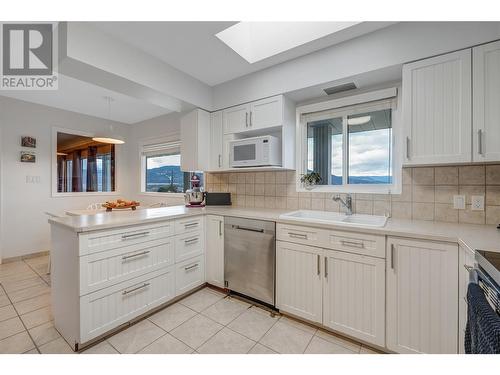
(477, 202)
(459, 202)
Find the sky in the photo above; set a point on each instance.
(161, 161)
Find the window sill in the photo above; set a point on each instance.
(170, 195)
(85, 194)
(360, 189)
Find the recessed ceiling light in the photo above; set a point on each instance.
(359, 120)
(255, 41)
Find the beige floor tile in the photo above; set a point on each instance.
(16, 277)
(40, 269)
(196, 331)
(226, 310)
(4, 301)
(286, 339)
(320, 346)
(32, 351)
(19, 343)
(10, 327)
(7, 312)
(14, 268)
(37, 317)
(227, 341)
(172, 316)
(299, 325)
(24, 294)
(167, 344)
(367, 350)
(101, 348)
(253, 323)
(351, 345)
(58, 346)
(261, 349)
(44, 333)
(32, 304)
(35, 261)
(136, 337)
(202, 299)
(13, 286)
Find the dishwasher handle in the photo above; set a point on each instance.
(248, 229)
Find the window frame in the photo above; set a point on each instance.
(342, 107)
(57, 194)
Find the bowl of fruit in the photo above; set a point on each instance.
(121, 204)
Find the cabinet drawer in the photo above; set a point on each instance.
(101, 270)
(190, 224)
(357, 243)
(189, 274)
(111, 239)
(108, 308)
(300, 234)
(188, 245)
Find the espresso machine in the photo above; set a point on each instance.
(195, 197)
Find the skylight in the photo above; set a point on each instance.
(255, 41)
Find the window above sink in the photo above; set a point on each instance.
(351, 143)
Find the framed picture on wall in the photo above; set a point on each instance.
(28, 157)
(28, 142)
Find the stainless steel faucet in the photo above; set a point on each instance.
(347, 203)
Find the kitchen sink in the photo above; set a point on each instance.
(324, 217)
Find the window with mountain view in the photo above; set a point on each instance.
(351, 146)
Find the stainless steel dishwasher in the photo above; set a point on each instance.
(250, 257)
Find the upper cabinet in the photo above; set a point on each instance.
(216, 141)
(486, 102)
(236, 119)
(195, 131)
(437, 101)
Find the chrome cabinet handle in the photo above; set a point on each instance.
(134, 235)
(135, 255)
(248, 229)
(298, 235)
(220, 228)
(353, 244)
(189, 225)
(326, 267)
(191, 240)
(250, 118)
(408, 148)
(318, 261)
(191, 267)
(246, 119)
(125, 292)
(220, 162)
(392, 255)
(480, 142)
(468, 268)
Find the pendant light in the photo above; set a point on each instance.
(109, 136)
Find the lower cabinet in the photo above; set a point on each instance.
(422, 296)
(215, 250)
(340, 290)
(299, 281)
(354, 295)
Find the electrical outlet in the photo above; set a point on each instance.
(477, 202)
(32, 179)
(459, 202)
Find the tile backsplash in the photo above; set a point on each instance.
(427, 193)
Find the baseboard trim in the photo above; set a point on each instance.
(23, 257)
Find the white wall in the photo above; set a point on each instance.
(24, 228)
(150, 131)
(394, 45)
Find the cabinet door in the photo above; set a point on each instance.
(236, 119)
(215, 250)
(266, 113)
(486, 108)
(195, 129)
(354, 295)
(422, 296)
(299, 280)
(437, 109)
(216, 134)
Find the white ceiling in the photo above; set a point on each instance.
(82, 97)
(193, 48)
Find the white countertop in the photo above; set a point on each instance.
(485, 237)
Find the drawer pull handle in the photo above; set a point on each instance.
(360, 245)
(135, 255)
(298, 235)
(318, 262)
(191, 267)
(145, 285)
(191, 240)
(468, 268)
(189, 225)
(134, 235)
(392, 255)
(326, 267)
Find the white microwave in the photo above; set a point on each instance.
(255, 152)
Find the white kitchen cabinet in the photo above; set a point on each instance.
(422, 296)
(266, 113)
(299, 281)
(236, 119)
(189, 275)
(466, 261)
(437, 106)
(195, 145)
(214, 253)
(354, 295)
(216, 141)
(486, 102)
